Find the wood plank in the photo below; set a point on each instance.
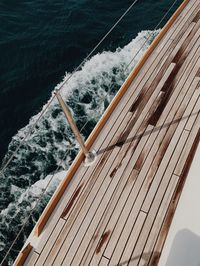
(184, 156)
(57, 196)
(95, 213)
(103, 202)
(161, 82)
(154, 235)
(179, 59)
(117, 202)
(161, 205)
(161, 193)
(186, 69)
(104, 261)
(65, 200)
(156, 226)
(32, 258)
(141, 74)
(51, 223)
(67, 230)
(142, 156)
(47, 248)
(140, 77)
(148, 105)
(190, 13)
(111, 133)
(169, 152)
(144, 114)
(127, 244)
(163, 187)
(115, 181)
(124, 186)
(196, 109)
(141, 177)
(21, 258)
(127, 226)
(175, 198)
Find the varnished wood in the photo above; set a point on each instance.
(32, 258)
(113, 212)
(59, 192)
(20, 260)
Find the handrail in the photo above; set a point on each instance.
(23, 256)
(91, 139)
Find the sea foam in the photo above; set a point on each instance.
(88, 93)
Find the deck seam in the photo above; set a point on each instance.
(104, 186)
(172, 33)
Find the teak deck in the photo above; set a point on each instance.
(118, 211)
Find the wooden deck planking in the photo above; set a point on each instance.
(154, 233)
(170, 170)
(50, 243)
(122, 159)
(116, 207)
(131, 240)
(53, 224)
(177, 192)
(170, 151)
(125, 235)
(145, 168)
(103, 262)
(189, 142)
(121, 223)
(128, 176)
(95, 189)
(166, 124)
(32, 258)
(111, 134)
(127, 255)
(119, 198)
(55, 217)
(196, 107)
(170, 167)
(160, 205)
(162, 193)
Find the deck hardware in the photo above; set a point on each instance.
(90, 156)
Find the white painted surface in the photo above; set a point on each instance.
(182, 246)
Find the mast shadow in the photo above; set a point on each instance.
(144, 134)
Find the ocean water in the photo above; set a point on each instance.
(41, 43)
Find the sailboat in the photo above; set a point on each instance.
(130, 196)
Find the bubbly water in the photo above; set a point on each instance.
(88, 93)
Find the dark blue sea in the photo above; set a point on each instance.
(41, 43)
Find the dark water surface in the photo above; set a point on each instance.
(41, 42)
